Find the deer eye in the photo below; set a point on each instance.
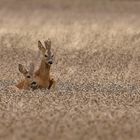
(52, 55)
(46, 55)
(28, 76)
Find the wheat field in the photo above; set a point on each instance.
(97, 70)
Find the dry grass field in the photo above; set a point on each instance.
(97, 70)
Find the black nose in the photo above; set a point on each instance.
(50, 62)
(33, 83)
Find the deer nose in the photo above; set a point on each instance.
(33, 83)
(50, 62)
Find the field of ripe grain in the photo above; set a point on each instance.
(97, 70)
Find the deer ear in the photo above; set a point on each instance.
(47, 44)
(40, 46)
(22, 69)
(31, 68)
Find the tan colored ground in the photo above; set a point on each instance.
(97, 69)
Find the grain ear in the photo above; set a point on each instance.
(22, 69)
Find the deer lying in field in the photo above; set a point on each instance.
(42, 77)
(28, 77)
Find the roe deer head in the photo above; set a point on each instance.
(28, 77)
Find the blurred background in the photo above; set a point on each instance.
(35, 12)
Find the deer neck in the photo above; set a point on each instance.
(44, 69)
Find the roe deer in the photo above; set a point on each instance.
(42, 75)
(28, 76)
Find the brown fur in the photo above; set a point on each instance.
(26, 82)
(42, 75)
